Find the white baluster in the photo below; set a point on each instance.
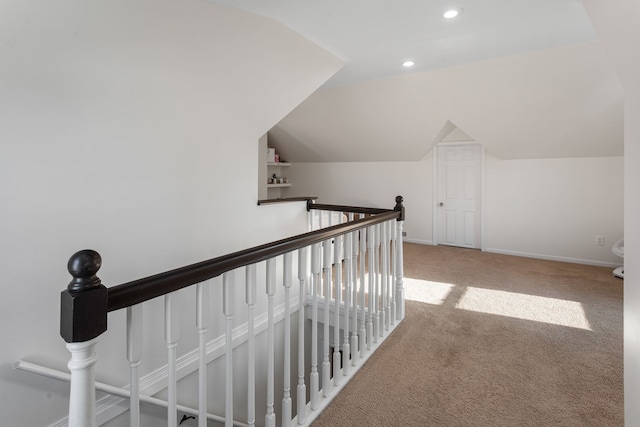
(315, 285)
(384, 325)
(337, 289)
(286, 399)
(251, 292)
(82, 396)
(134, 354)
(390, 312)
(326, 274)
(346, 346)
(399, 273)
(171, 336)
(302, 389)
(228, 311)
(202, 322)
(354, 281)
(393, 272)
(371, 308)
(363, 321)
(270, 416)
(376, 290)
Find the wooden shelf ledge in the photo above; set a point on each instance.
(286, 200)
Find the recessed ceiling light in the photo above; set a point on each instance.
(408, 64)
(452, 13)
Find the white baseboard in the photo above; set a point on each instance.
(530, 255)
(418, 241)
(552, 257)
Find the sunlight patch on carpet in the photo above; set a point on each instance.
(523, 306)
(426, 291)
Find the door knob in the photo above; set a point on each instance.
(441, 204)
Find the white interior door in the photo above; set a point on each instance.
(458, 198)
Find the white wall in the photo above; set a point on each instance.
(549, 208)
(615, 22)
(129, 127)
(374, 185)
(262, 167)
(632, 244)
(554, 208)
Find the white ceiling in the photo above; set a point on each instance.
(374, 37)
(527, 78)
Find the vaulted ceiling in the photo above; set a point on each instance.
(526, 78)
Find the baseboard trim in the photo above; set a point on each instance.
(529, 255)
(552, 257)
(418, 241)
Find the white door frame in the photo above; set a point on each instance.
(436, 221)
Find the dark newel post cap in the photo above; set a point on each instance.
(83, 266)
(399, 207)
(309, 203)
(84, 304)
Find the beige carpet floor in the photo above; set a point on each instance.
(494, 340)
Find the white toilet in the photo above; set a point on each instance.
(618, 250)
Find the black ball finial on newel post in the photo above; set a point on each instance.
(399, 207)
(84, 304)
(83, 266)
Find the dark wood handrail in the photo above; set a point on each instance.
(349, 209)
(357, 209)
(86, 301)
(141, 290)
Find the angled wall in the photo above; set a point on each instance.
(130, 127)
(560, 102)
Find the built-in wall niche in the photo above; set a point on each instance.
(273, 181)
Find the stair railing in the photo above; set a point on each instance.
(352, 267)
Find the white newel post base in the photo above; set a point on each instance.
(82, 397)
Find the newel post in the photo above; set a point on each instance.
(83, 317)
(399, 260)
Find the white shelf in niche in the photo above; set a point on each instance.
(268, 169)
